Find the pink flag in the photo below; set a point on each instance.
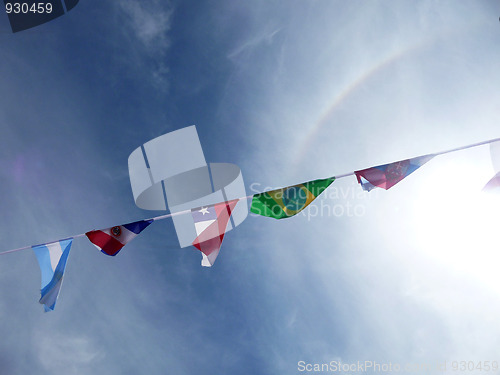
(493, 185)
(387, 175)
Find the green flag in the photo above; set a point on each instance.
(289, 201)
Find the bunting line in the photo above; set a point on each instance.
(184, 212)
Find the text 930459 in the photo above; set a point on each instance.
(18, 8)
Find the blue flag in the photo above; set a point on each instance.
(52, 258)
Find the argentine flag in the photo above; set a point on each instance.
(52, 258)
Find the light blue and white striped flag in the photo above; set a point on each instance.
(52, 258)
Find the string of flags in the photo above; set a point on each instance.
(211, 221)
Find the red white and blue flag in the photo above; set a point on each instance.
(387, 175)
(210, 223)
(111, 240)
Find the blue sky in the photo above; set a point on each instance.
(289, 91)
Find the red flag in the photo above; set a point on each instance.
(210, 223)
(111, 240)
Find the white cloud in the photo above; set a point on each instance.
(247, 45)
(60, 353)
(150, 22)
(147, 27)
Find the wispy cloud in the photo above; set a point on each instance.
(150, 22)
(147, 26)
(65, 352)
(246, 46)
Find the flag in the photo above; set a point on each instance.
(210, 223)
(387, 175)
(495, 155)
(289, 201)
(111, 240)
(52, 258)
(493, 184)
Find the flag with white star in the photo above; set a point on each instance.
(210, 223)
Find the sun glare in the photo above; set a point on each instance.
(456, 223)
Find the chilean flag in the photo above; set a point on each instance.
(210, 223)
(111, 240)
